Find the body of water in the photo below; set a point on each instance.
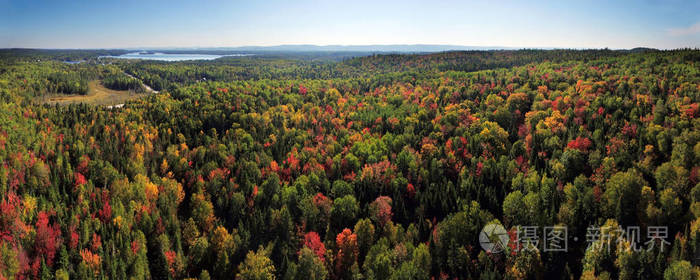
(169, 56)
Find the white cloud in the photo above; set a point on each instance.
(690, 30)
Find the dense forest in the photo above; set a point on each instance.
(382, 166)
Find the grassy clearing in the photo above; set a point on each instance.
(97, 95)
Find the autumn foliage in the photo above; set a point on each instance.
(313, 242)
(324, 166)
(346, 241)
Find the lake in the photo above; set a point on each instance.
(170, 56)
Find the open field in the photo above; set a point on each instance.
(97, 95)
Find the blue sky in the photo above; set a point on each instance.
(209, 23)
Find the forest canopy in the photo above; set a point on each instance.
(382, 166)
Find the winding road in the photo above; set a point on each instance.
(149, 89)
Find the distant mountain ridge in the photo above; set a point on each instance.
(415, 48)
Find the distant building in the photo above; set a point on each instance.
(110, 107)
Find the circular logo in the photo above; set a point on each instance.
(493, 238)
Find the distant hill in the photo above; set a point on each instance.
(643, 49)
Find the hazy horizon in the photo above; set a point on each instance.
(162, 24)
(342, 48)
